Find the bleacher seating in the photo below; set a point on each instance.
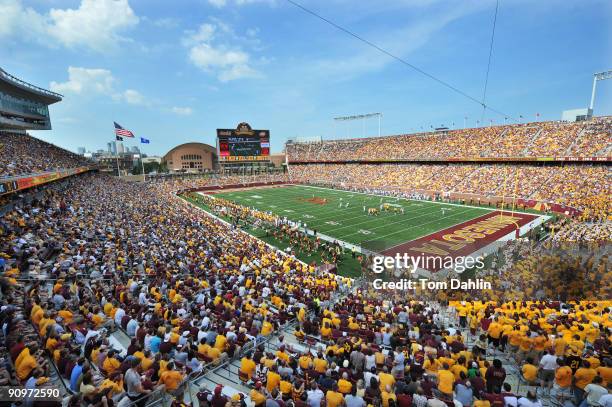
(22, 154)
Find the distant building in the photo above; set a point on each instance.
(191, 157)
(81, 150)
(111, 148)
(120, 147)
(109, 163)
(152, 159)
(135, 150)
(577, 115)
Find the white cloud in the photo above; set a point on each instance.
(96, 82)
(204, 33)
(95, 24)
(182, 111)
(14, 18)
(134, 97)
(214, 48)
(86, 81)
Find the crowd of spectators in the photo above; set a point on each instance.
(540, 139)
(187, 288)
(190, 290)
(93, 254)
(595, 139)
(383, 349)
(22, 154)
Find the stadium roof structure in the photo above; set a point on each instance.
(24, 106)
(22, 89)
(206, 147)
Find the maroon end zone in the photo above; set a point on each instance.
(462, 239)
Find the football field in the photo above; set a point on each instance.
(343, 215)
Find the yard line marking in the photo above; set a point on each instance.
(291, 192)
(428, 213)
(411, 199)
(422, 224)
(317, 224)
(334, 212)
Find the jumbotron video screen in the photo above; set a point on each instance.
(243, 144)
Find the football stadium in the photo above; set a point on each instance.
(251, 262)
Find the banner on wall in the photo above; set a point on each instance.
(29, 181)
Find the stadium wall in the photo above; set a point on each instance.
(10, 185)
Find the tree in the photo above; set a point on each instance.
(149, 168)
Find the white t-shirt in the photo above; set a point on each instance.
(525, 402)
(606, 401)
(594, 393)
(548, 362)
(314, 397)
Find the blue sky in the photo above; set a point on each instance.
(173, 72)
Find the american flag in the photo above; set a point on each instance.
(120, 131)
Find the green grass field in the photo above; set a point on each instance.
(351, 224)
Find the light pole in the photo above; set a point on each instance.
(600, 76)
(360, 117)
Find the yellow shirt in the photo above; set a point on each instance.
(273, 381)
(530, 372)
(334, 399)
(110, 365)
(457, 369)
(385, 396)
(266, 328)
(305, 361)
(285, 387)
(257, 397)
(385, 379)
(445, 381)
(584, 376)
(495, 330)
(25, 365)
(221, 342)
(344, 386)
(172, 379)
(214, 353)
(248, 366)
(320, 365)
(563, 376)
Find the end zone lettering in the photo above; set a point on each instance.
(465, 238)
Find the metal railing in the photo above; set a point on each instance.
(25, 84)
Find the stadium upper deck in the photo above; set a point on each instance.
(23, 154)
(524, 141)
(23, 105)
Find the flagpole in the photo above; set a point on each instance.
(117, 157)
(143, 172)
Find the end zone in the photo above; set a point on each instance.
(465, 238)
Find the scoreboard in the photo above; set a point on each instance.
(243, 144)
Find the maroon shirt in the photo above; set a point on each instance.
(16, 350)
(404, 400)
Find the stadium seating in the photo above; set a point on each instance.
(107, 283)
(542, 139)
(584, 187)
(22, 154)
